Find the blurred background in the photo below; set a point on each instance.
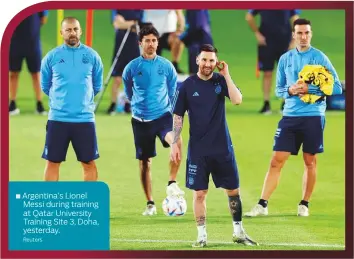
(252, 133)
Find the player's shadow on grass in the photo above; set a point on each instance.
(221, 246)
(272, 216)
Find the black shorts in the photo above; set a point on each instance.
(198, 37)
(163, 43)
(145, 134)
(268, 55)
(32, 55)
(194, 40)
(129, 52)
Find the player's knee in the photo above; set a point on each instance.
(35, 75)
(53, 165)
(277, 162)
(90, 171)
(117, 80)
(199, 196)
(89, 166)
(310, 161)
(14, 75)
(171, 40)
(145, 162)
(233, 192)
(268, 74)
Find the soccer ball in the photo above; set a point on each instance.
(174, 206)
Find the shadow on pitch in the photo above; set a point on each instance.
(287, 215)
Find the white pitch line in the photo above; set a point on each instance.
(225, 243)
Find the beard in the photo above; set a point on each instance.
(150, 51)
(72, 41)
(207, 71)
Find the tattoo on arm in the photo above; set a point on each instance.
(200, 220)
(177, 127)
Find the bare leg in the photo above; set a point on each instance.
(310, 174)
(90, 171)
(176, 47)
(273, 175)
(14, 76)
(174, 167)
(36, 85)
(267, 84)
(117, 81)
(199, 208)
(145, 176)
(51, 172)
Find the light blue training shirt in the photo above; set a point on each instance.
(150, 85)
(71, 77)
(289, 66)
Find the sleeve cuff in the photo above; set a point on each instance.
(286, 94)
(313, 89)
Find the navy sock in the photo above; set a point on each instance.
(151, 202)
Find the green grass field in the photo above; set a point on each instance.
(252, 136)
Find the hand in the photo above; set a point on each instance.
(303, 88)
(133, 26)
(261, 39)
(175, 153)
(223, 68)
(299, 88)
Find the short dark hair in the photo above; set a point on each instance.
(301, 21)
(146, 30)
(207, 48)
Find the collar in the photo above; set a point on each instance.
(80, 46)
(148, 60)
(303, 52)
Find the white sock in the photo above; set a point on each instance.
(237, 227)
(201, 231)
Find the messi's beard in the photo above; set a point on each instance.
(207, 72)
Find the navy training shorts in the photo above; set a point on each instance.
(145, 134)
(81, 135)
(32, 55)
(223, 169)
(292, 132)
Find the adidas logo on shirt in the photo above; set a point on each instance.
(62, 61)
(196, 94)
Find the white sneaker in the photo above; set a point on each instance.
(243, 238)
(150, 210)
(257, 210)
(14, 112)
(174, 190)
(302, 211)
(201, 242)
